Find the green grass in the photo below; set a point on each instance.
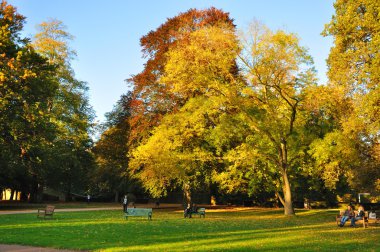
(221, 230)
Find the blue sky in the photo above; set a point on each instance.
(107, 33)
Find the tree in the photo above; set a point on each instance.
(72, 113)
(264, 99)
(151, 98)
(26, 87)
(354, 75)
(276, 72)
(111, 151)
(197, 71)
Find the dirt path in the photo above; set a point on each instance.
(19, 248)
(60, 210)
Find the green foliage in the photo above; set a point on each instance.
(27, 86)
(111, 152)
(44, 112)
(72, 114)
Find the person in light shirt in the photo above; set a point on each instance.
(359, 216)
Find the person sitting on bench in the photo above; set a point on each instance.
(359, 216)
(349, 213)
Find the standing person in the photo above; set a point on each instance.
(349, 213)
(125, 203)
(359, 216)
(88, 198)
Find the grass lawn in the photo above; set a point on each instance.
(238, 229)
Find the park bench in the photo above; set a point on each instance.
(365, 221)
(48, 211)
(200, 211)
(132, 212)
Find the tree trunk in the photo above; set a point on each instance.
(288, 205)
(287, 200)
(187, 194)
(36, 192)
(23, 196)
(11, 196)
(116, 196)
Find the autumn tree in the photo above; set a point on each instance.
(263, 100)
(151, 98)
(27, 86)
(351, 149)
(184, 156)
(276, 71)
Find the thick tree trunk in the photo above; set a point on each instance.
(288, 205)
(287, 200)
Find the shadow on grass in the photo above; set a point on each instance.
(234, 231)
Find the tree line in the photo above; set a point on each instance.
(214, 108)
(44, 110)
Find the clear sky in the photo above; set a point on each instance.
(107, 33)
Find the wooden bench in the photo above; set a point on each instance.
(365, 221)
(200, 211)
(48, 211)
(132, 212)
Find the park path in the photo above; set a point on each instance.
(61, 210)
(19, 248)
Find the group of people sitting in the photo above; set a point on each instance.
(349, 214)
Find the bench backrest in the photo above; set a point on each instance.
(49, 209)
(139, 211)
(201, 210)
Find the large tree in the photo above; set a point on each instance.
(198, 70)
(151, 98)
(276, 73)
(264, 101)
(72, 112)
(351, 150)
(27, 85)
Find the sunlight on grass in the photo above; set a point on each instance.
(240, 229)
